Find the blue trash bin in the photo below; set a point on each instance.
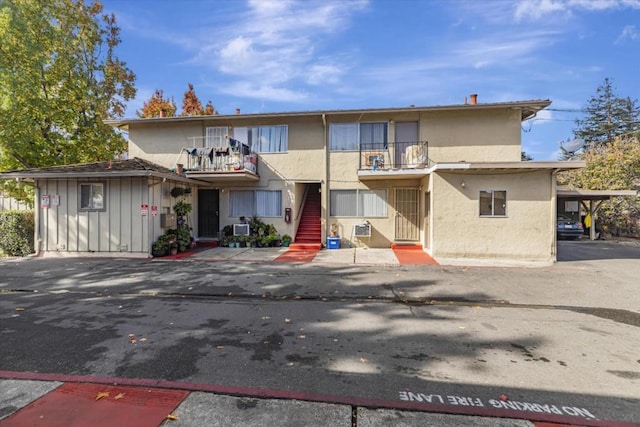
(333, 242)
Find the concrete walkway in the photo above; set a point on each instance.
(360, 256)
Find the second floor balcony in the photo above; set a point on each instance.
(228, 159)
(393, 159)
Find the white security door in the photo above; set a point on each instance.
(407, 209)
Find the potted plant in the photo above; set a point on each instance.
(182, 208)
(160, 247)
(269, 239)
(286, 240)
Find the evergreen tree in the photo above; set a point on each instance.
(525, 157)
(607, 116)
(157, 106)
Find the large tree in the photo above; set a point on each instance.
(157, 106)
(59, 79)
(607, 116)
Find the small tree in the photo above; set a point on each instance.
(209, 110)
(157, 106)
(191, 105)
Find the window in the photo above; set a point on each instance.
(263, 203)
(268, 139)
(215, 137)
(493, 203)
(363, 203)
(92, 196)
(354, 136)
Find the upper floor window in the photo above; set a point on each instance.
(264, 139)
(493, 203)
(353, 136)
(92, 196)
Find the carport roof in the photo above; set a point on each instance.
(505, 167)
(579, 194)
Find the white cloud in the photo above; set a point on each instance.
(275, 44)
(246, 89)
(536, 9)
(628, 33)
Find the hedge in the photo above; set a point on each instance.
(16, 232)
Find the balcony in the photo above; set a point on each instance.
(393, 160)
(226, 160)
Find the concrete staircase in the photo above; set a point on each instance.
(309, 234)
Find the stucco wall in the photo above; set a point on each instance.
(526, 233)
(472, 136)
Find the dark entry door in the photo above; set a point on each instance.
(208, 215)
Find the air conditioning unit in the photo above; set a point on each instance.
(362, 230)
(240, 229)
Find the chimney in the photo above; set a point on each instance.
(237, 111)
(474, 98)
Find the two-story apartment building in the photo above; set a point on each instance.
(449, 178)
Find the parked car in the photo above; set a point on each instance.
(568, 228)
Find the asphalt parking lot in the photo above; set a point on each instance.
(564, 335)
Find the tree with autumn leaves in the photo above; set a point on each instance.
(159, 106)
(60, 78)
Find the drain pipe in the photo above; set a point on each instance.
(325, 182)
(554, 214)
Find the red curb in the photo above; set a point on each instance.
(322, 398)
(97, 405)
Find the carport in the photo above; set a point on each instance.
(594, 199)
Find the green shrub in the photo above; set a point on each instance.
(16, 232)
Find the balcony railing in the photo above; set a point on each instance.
(229, 155)
(394, 155)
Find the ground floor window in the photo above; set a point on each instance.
(493, 203)
(263, 203)
(363, 203)
(92, 196)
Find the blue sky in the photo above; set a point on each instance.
(296, 55)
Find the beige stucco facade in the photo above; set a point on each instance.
(434, 202)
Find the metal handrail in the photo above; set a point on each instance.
(394, 155)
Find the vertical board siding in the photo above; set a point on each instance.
(65, 228)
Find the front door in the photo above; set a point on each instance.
(208, 215)
(407, 214)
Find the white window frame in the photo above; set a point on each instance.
(373, 210)
(96, 199)
(492, 205)
(268, 138)
(354, 132)
(215, 137)
(263, 203)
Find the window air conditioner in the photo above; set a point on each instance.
(240, 229)
(362, 230)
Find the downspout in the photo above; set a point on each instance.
(554, 214)
(324, 216)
